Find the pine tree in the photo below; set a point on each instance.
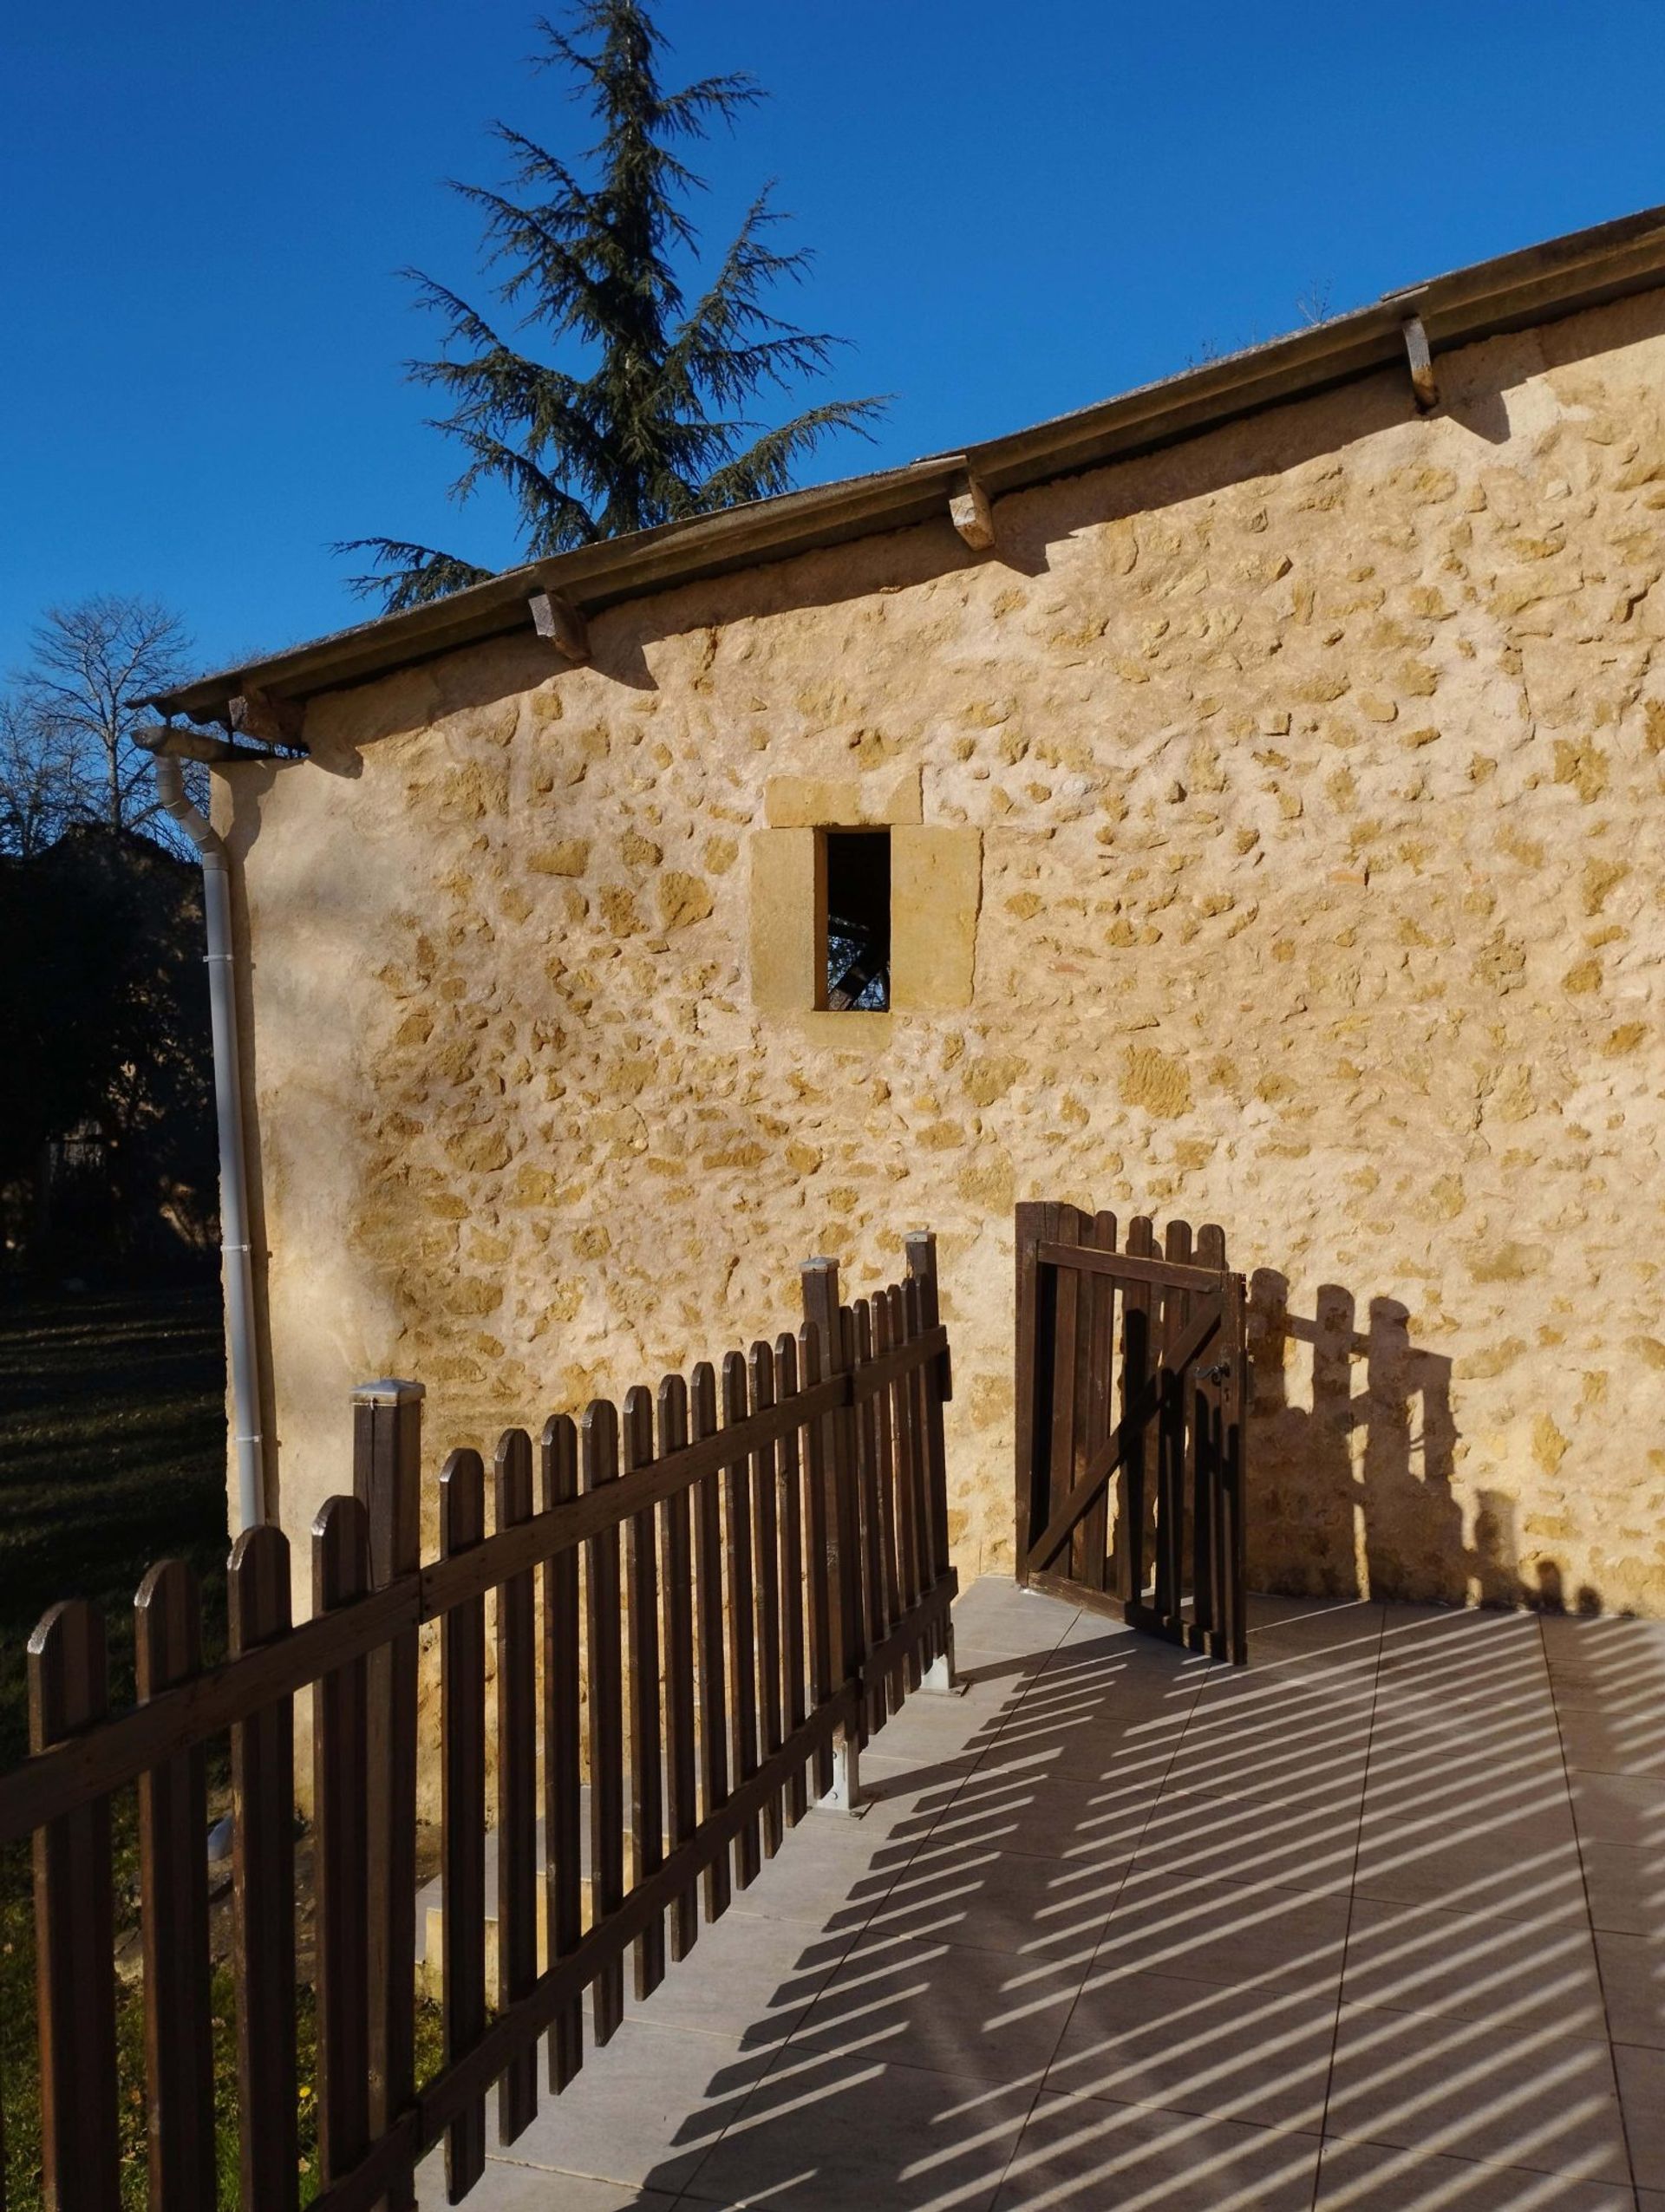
(658, 429)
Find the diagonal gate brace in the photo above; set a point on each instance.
(1127, 1432)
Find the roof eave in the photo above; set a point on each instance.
(1539, 283)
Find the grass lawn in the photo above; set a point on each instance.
(112, 1455)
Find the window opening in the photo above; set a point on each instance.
(858, 920)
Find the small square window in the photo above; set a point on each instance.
(858, 921)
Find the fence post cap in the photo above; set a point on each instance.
(387, 1391)
(821, 1264)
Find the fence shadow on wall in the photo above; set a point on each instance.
(1352, 1492)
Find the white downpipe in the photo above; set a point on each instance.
(233, 1163)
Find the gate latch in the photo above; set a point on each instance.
(1217, 1373)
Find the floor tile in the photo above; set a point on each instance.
(1269, 1708)
(1618, 1808)
(1267, 1609)
(748, 1978)
(827, 2133)
(1509, 1674)
(1615, 1736)
(902, 1798)
(1417, 2082)
(1416, 1958)
(955, 1891)
(1417, 1730)
(830, 1872)
(1227, 1932)
(1283, 1736)
(1480, 1637)
(1089, 2153)
(946, 2006)
(1483, 1737)
(1099, 1709)
(1001, 1592)
(1494, 1857)
(508, 2186)
(1105, 1682)
(1633, 1982)
(1369, 2178)
(1134, 1746)
(929, 1730)
(1301, 1626)
(1020, 1805)
(1466, 1720)
(1015, 1636)
(995, 1617)
(1626, 1886)
(1093, 1646)
(1190, 2047)
(1302, 1845)
(1093, 1629)
(645, 2110)
(1615, 1656)
(993, 1666)
(1641, 2093)
(1269, 1782)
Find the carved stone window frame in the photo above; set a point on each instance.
(936, 892)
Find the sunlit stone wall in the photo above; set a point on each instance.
(1308, 780)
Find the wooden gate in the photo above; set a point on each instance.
(1132, 1391)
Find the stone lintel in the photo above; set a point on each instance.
(842, 802)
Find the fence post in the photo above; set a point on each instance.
(1033, 1428)
(387, 1479)
(824, 1313)
(69, 1691)
(921, 1247)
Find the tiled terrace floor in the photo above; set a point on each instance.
(1378, 1922)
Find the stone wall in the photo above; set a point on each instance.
(1317, 766)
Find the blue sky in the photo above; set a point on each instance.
(1016, 210)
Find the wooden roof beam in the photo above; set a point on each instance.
(559, 621)
(971, 513)
(1424, 382)
(192, 745)
(272, 721)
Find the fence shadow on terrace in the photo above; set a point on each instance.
(722, 1592)
(1144, 1932)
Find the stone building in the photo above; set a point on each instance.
(1266, 768)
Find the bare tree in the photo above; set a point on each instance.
(1312, 305)
(40, 789)
(78, 700)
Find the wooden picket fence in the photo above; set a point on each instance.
(784, 1582)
